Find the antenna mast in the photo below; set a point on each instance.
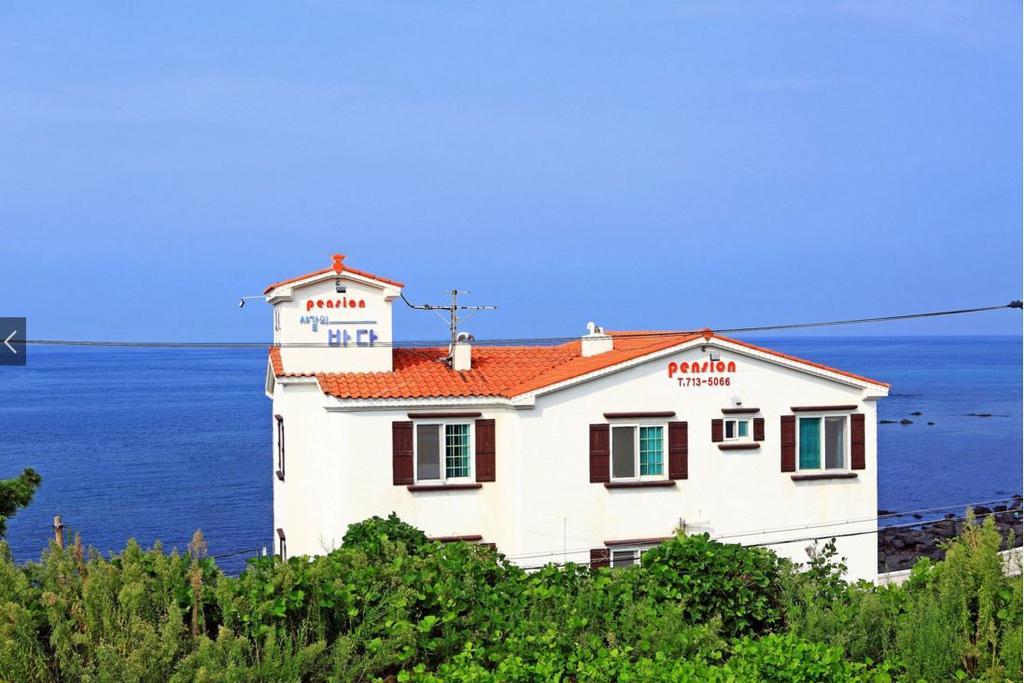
(453, 319)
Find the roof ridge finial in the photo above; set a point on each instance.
(338, 266)
(708, 334)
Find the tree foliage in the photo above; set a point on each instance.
(15, 494)
(391, 605)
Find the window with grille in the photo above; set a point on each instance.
(638, 452)
(443, 452)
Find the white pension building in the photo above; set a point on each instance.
(587, 451)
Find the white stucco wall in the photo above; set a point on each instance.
(727, 492)
(543, 507)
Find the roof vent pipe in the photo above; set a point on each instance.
(595, 341)
(462, 352)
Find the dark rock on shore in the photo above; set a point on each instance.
(930, 424)
(917, 413)
(905, 421)
(887, 422)
(900, 547)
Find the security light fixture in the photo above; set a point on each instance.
(241, 302)
(338, 287)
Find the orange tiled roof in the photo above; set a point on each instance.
(502, 371)
(275, 361)
(324, 271)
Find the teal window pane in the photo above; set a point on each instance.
(652, 451)
(742, 427)
(810, 443)
(456, 451)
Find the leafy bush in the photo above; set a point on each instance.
(740, 586)
(390, 604)
(371, 533)
(960, 618)
(17, 493)
(774, 658)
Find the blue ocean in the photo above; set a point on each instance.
(156, 443)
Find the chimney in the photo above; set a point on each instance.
(462, 352)
(595, 341)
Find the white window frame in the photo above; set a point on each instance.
(636, 451)
(736, 429)
(637, 551)
(847, 441)
(442, 446)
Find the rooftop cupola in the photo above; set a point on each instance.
(595, 341)
(337, 319)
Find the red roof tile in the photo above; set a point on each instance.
(324, 271)
(503, 371)
(275, 361)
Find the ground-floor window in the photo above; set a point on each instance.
(822, 442)
(443, 452)
(626, 556)
(638, 452)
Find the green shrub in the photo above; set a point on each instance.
(773, 658)
(389, 603)
(370, 533)
(740, 586)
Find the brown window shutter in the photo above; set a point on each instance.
(788, 431)
(678, 450)
(599, 452)
(857, 441)
(716, 430)
(598, 558)
(485, 450)
(758, 429)
(401, 453)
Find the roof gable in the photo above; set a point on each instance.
(337, 269)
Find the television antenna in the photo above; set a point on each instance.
(450, 315)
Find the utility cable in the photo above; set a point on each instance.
(838, 523)
(521, 341)
(806, 539)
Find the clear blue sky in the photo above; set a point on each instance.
(645, 165)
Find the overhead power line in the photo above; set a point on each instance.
(806, 539)
(512, 341)
(838, 524)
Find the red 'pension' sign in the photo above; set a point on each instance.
(343, 302)
(699, 367)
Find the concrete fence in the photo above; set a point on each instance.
(1012, 560)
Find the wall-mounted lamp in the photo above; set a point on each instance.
(241, 302)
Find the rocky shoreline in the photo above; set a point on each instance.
(900, 546)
